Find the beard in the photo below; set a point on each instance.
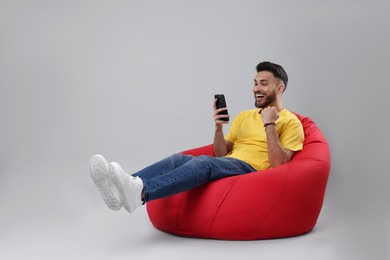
(266, 101)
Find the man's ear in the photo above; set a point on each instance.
(281, 88)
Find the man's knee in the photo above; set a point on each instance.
(203, 159)
(179, 158)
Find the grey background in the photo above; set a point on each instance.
(134, 81)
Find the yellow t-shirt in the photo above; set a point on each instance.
(250, 141)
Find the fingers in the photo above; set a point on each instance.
(219, 110)
(270, 109)
(219, 116)
(219, 119)
(269, 114)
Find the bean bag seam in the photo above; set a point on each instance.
(179, 208)
(273, 206)
(220, 202)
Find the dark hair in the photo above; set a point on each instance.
(275, 69)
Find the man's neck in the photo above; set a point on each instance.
(277, 105)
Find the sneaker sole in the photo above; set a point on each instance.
(120, 178)
(100, 176)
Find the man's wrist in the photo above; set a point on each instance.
(268, 124)
(218, 128)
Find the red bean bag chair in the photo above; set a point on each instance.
(278, 202)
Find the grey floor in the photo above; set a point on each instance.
(60, 217)
(81, 227)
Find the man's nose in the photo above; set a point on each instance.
(256, 88)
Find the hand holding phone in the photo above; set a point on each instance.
(221, 103)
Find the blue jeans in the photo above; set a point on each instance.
(180, 172)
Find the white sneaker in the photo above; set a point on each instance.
(129, 187)
(99, 173)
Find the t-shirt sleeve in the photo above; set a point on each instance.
(292, 136)
(231, 136)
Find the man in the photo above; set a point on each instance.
(265, 137)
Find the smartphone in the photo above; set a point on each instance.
(221, 102)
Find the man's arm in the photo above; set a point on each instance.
(221, 146)
(277, 155)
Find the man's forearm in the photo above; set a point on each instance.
(277, 155)
(220, 146)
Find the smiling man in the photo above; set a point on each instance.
(282, 134)
(260, 138)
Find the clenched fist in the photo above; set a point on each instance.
(269, 115)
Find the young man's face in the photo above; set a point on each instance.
(265, 89)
